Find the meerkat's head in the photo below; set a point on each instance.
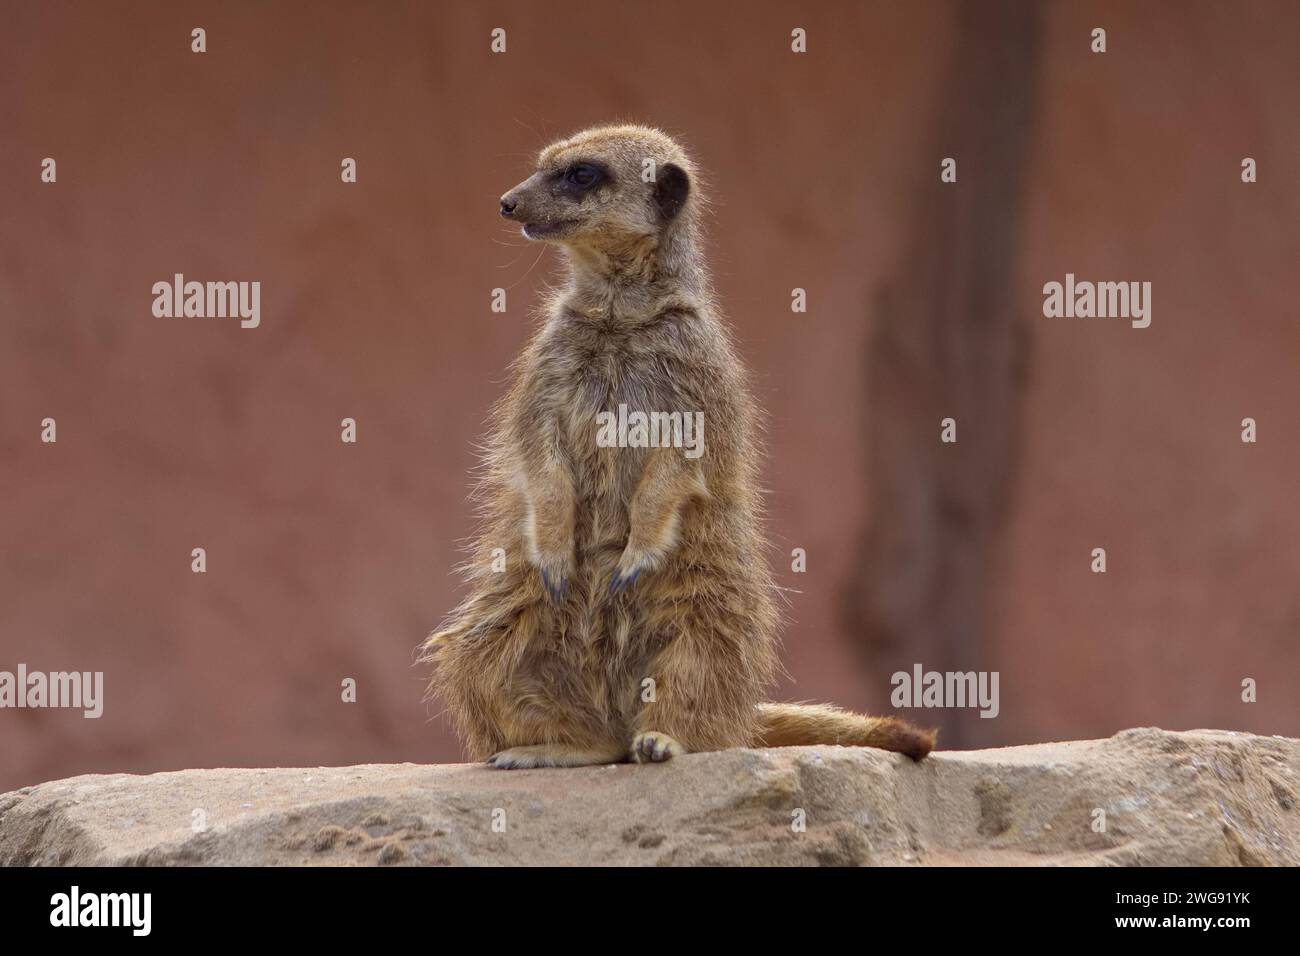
(604, 187)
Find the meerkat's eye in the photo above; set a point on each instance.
(582, 176)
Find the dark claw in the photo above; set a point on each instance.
(619, 582)
(556, 591)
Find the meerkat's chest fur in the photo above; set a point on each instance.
(587, 369)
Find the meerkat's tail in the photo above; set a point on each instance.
(793, 725)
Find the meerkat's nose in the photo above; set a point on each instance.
(508, 206)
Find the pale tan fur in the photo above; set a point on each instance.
(623, 564)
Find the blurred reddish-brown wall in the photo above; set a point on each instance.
(328, 560)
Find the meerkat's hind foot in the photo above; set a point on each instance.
(655, 747)
(551, 755)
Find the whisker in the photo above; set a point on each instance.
(541, 252)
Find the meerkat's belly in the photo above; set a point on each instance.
(606, 470)
(603, 490)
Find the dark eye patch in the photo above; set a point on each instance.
(580, 178)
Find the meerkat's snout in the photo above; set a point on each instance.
(514, 207)
(555, 203)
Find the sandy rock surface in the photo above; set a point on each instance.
(1200, 797)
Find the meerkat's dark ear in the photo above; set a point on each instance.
(672, 186)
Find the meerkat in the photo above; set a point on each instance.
(620, 606)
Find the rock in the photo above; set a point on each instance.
(1143, 797)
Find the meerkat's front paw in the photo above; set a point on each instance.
(630, 567)
(554, 571)
(655, 747)
(548, 536)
